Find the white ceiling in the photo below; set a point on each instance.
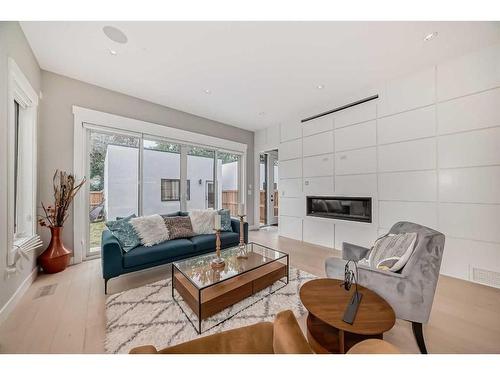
(249, 67)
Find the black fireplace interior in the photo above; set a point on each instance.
(343, 208)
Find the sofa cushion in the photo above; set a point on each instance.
(179, 227)
(165, 250)
(204, 242)
(225, 219)
(151, 229)
(203, 221)
(229, 238)
(125, 233)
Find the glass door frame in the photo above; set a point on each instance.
(87, 255)
(89, 127)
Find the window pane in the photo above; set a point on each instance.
(16, 164)
(113, 190)
(200, 176)
(161, 177)
(228, 172)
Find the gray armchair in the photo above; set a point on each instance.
(410, 291)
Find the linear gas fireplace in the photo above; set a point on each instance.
(342, 208)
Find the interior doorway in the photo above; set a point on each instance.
(269, 197)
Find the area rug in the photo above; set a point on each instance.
(149, 316)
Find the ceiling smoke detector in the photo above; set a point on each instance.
(320, 87)
(430, 36)
(116, 35)
(112, 51)
(207, 91)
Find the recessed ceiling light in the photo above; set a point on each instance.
(116, 35)
(112, 51)
(207, 91)
(430, 36)
(319, 87)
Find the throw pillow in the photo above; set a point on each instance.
(124, 232)
(151, 229)
(225, 220)
(203, 221)
(179, 227)
(392, 251)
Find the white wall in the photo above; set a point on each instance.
(428, 150)
(13, 44)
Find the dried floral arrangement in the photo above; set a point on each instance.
(65, 189)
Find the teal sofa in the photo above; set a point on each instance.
(116, 262)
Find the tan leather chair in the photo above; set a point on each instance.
(284, 336)
(373, 346)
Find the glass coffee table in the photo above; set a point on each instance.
(207, 291)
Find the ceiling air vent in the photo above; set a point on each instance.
(486, 277)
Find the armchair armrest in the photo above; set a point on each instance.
(353, 252)
(235, 225)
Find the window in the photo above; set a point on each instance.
(16, 161)
(171, 189)
(21, 161)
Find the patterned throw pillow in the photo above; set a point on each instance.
(225, 220)
(179, 227)
(124, 232)
(391, 252)
(151, 229)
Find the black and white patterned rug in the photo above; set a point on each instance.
(149, 316)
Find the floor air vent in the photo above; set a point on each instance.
(45, 291)
(486, 277)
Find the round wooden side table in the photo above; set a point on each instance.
(326, 301)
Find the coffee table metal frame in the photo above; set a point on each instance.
(200, 290)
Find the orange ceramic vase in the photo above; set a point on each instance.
(56, 257)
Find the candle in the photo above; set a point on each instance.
(241, 209)
(217, 224)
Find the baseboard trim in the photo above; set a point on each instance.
(18, 294)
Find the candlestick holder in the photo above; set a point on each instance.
(242, 246)
(218, 262)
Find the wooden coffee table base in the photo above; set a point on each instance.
(326, 339)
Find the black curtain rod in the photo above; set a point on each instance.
(341, 108)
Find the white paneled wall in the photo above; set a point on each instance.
(321, 165)
(356, 161)
(428, 151)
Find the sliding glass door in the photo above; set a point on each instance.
(200, 178)
(133, 173)
(113, 170)
(161, 177)
(228, 176)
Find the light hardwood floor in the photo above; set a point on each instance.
(465, 316)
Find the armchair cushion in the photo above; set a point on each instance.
(373, 346)
(288, 337)
(282, 337)
(253, 339)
